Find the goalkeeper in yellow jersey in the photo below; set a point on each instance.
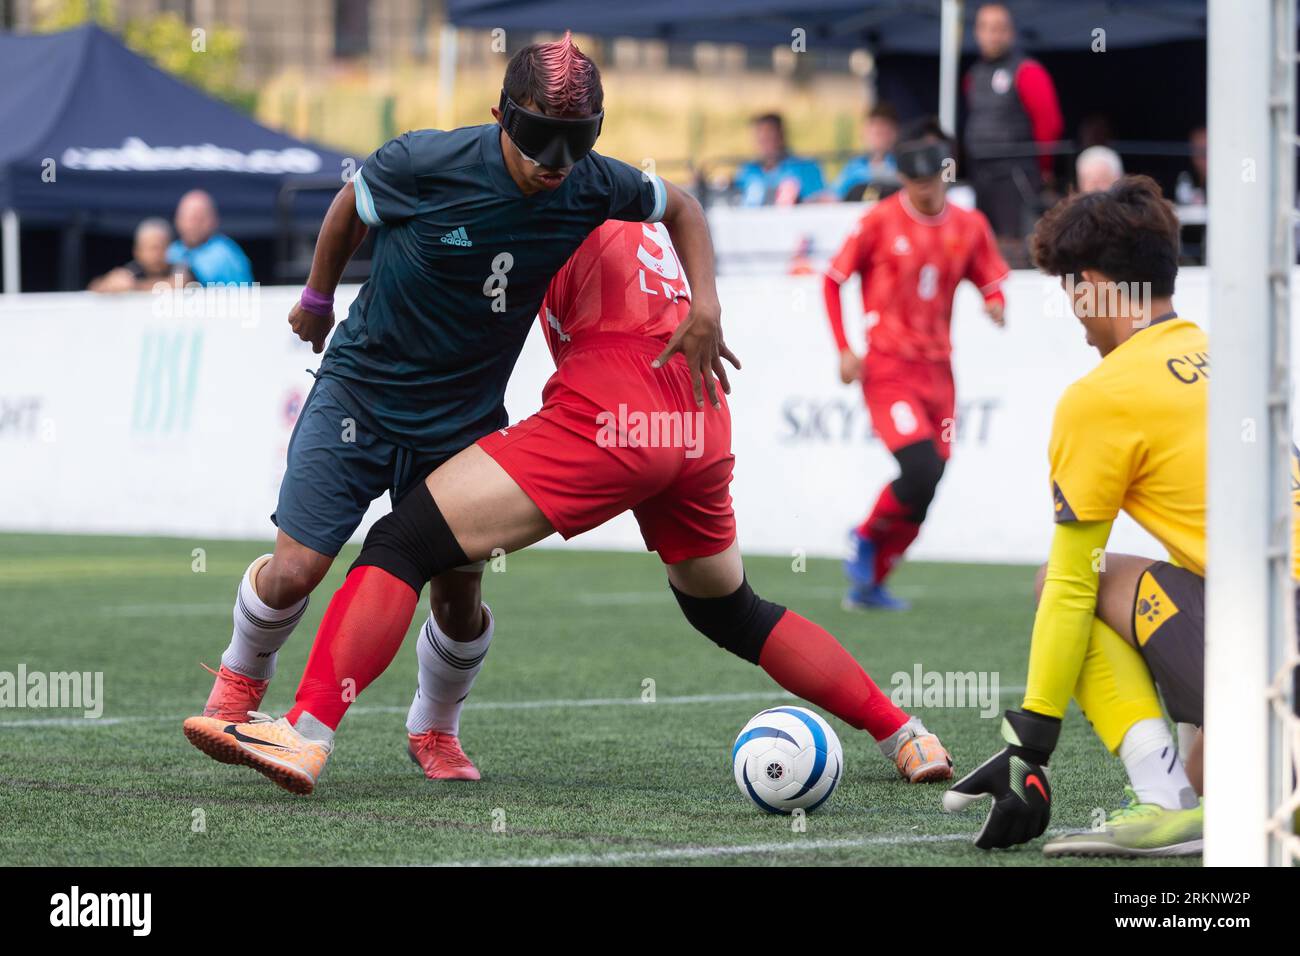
(1110, 628)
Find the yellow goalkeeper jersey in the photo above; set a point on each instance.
(1131, 436)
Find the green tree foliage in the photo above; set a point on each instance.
(206, 57)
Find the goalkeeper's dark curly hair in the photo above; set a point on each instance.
(1128, 233)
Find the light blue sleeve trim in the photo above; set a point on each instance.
(365, 202)
(661, 198)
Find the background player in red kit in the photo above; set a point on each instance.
(621, 427)
(911, 251)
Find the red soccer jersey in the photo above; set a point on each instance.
(910, 265)
(625, 277)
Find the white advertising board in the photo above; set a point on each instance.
(117, 419)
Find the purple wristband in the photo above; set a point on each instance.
(313, 301)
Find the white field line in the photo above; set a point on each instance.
(165, 610)
(583, 598)
(774, 694)
(559, 704)
(627, 598)
(713, 852)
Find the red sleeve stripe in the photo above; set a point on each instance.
(991, 287)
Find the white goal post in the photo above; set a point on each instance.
(1250, 631)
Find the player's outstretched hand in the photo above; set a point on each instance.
(997, 312)
(1016, 779)
(699, 338)
(310, 326)
(850, 366)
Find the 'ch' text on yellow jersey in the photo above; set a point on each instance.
(1131, 436)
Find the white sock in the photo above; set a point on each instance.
(1153, 766)
(314, 730)
(260, 631)
(1186, 737)
(913, 728)
(447, 672)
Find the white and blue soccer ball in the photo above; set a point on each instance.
(787, 759)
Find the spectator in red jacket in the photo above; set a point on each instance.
(1011, 109)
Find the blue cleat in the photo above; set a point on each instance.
(872, 598)
(860, 569)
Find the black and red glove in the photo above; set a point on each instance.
(1016, 778)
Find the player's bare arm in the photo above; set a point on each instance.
(340, 234)
(699, 338)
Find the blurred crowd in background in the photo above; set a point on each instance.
(1009, 101)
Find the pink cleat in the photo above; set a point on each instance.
(440, 756)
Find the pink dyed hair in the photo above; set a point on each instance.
(556, 77)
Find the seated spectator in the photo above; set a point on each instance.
(210, 256)
(148, 265)
(874, 171)
(1097, 169)
(776, 177)
(1189, 190)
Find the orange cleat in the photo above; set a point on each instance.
(440, 756)
(271, 747)
(922, 759)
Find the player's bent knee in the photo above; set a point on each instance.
(412, 542)
(283, 583)
(920, 469)
(457, 605)
(739, 622)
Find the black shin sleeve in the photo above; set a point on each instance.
(412, 542)
(920, 467)
(739, 622)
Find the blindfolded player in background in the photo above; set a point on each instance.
(910, 252)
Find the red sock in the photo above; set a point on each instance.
(894, 544)
(358, 638)
(887, 511)
(890, 530)
(810, 663)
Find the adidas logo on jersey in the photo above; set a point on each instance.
(457, 237)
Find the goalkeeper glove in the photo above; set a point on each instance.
(1016, 778)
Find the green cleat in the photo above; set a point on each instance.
(1136, 830)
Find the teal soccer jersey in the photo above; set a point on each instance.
(462, 260)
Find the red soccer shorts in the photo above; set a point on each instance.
(910, 401)
(614, 434)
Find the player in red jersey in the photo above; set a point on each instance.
(911, 251)
(621, 427)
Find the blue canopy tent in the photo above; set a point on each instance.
(97, 138)
(882, 26)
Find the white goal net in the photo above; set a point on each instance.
(1252, 735)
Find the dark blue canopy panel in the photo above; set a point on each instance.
(127, 139)
(883, 26)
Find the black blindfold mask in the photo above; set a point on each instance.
(921, 160)
(551, 141)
